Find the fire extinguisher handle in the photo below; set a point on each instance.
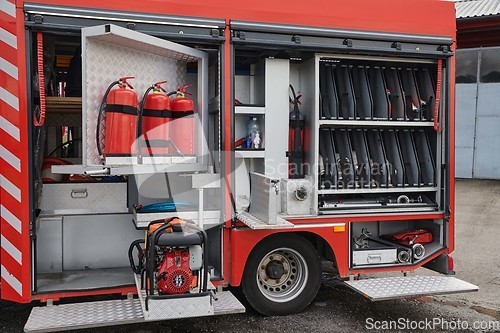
(182, 89)
(158, 86)
(124, 79)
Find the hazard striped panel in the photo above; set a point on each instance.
(15, 251)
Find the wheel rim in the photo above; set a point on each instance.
(282, 275)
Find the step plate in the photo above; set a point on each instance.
(84, 315)
(254, 223)
(381, 289)
(107, 313)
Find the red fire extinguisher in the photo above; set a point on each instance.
(182, 121)
(154, 116)
(296, 138)
(120, 106)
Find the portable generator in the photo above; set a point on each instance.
(171, 259)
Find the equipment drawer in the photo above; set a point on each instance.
(84, 198)
(364, 257)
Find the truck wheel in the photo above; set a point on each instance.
(282, 275)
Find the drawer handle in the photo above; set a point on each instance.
(81, 193)
(374, 257)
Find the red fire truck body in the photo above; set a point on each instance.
(377, 80)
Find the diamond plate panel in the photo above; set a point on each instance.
(106, 62)
(254, 223)
(175, 308)
(414, 286)
(178, 308)
(225, 303)
(84, 315)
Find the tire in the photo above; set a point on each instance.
(282, 275)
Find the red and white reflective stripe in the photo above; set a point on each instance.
(14, 236)
(8, 68)
(10, 188)
(10, 128)
(11, 280)
(11, 219)
(8, 8)
(8, 38)
(11, 249)
(10, 158)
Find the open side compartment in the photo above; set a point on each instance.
(90, 213)
(395, 243)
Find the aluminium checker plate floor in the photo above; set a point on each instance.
(107, 313)
(380, 289)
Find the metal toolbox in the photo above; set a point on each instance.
(375, 254)
(84, 198)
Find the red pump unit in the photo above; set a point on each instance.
(120, 106)
(182, 128)
(174, 274)
(154, 117)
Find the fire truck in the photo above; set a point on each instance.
(155, 153)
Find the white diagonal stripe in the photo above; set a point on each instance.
(10, 129)
(9, 98)
(10, 188)
(11, 219)
(8, 38)
(8, 68)
(11, 249)
(10, 158)
(11, 280)
(8, 8)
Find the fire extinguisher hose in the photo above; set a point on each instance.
(139, 119)
(439, 82)
(100, 116)
(40, 120)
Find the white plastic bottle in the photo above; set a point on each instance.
(253, 132)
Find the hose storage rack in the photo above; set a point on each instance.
(376, 138)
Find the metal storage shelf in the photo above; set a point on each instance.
(249, 109)
(128, 169)
(378, 190)
(250, 153)
(374, 123)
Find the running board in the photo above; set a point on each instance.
(75, 316)
(381, 289)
